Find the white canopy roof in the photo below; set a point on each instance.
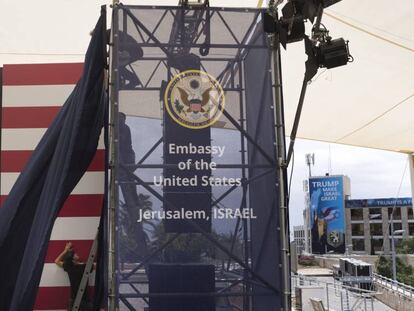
(367, 103)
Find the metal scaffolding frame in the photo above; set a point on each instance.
(232, 79)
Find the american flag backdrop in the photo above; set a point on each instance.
(31, 97)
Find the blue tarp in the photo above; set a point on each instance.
(58, 163)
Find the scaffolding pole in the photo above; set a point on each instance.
(113, 145)
(281, 173)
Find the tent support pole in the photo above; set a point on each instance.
(281, 174)
(411, 165)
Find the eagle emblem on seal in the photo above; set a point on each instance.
(195, 105)
(194, 99)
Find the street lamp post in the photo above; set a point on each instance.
(375, 216)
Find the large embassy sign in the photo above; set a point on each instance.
(196, 160)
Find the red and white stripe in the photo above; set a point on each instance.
(32, 96)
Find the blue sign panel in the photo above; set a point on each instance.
(387, 202)
(327, 214)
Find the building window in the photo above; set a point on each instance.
(358, 245)
(410, 213)
(356, 214)
(411, 228)
(377, 244)
(397, 226)
(397, 213)
(375, 229)
(357, 229)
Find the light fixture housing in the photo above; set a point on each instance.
(333, 53)
(294, 28)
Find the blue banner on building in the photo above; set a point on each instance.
(386, 202)
(327, 214)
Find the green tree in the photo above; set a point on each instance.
(134, 237)
(194, 247)
(188, 247)
(406, 246)
(234, 245)
(384, 267)
(406, 279)
(404, 272)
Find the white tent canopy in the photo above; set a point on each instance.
(367, 103)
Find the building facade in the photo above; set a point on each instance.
(299, 238)
(368, 224)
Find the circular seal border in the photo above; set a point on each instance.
(213, 120)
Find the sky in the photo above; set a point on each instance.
(58, 31)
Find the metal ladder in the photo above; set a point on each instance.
(84, 282)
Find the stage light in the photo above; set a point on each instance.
(290, 27)
(290, 9)
(333, 53)
(294, 28)
(322, 51)
(308, 8)
(325, 53)
(329, 53)
(292, 23)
